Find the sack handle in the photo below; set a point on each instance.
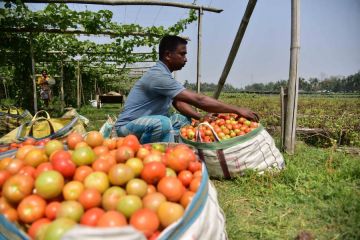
(198, 135)
(41, 111)
(37, 120)
(13, 107)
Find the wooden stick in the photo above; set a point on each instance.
(198, 65)
(33, 74)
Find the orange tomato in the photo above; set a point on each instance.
(171, 187)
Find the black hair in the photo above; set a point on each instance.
(44, 70)
(169, 43)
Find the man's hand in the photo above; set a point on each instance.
(248, 114)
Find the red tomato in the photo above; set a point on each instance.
(132, 142)
(178, 159)
(4, 162)
(52, 209)
(152, 201)
(4, 204)
(112, 219)
(36, 226)
(195, 184)
(194, 166)
(42, 168)
(110, 143)
(94, 139)
(92, 216)
(14, 166)
(100, 150)
(185, 177)
(73, 139)
(90, 198)
(82, 172)
(61, 161)
(31, 208)
(28, 170)
(153, 172)
(171, 187)
(146, 221)
(10, 214)
(102, 165)
(4, 175)
(123, 153)
(17, 187)
(186, 198)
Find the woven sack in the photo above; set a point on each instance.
(11, 117)
(228, 158)
(203, 219)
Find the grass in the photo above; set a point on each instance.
(318, 192)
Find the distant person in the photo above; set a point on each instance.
(45, 90)
(146, 110)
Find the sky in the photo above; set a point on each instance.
(329, 41)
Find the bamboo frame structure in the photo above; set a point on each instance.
(235, 47)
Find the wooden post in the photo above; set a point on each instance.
(6, 95)
(62, 87)
(235, 47)
(283, 102)
(33, 73)
(78, 86)
(293, 85)
(82, 90)
(199, 36)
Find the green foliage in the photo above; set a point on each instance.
(306, 196)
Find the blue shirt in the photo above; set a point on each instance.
(152, 94)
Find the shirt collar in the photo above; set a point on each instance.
(164, 66)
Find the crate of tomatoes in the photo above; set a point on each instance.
(228, 144)
(91, 188)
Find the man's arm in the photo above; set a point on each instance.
(212, 105)
(186, 109)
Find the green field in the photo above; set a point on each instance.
(318, 192)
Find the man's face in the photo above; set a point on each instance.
(177, 59)
(44, 73)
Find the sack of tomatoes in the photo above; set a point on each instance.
(230, 144)
(91, 187)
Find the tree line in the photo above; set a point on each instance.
(347, 84)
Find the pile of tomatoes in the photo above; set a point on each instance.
(225, 125)
(28, 141)
(97, 182)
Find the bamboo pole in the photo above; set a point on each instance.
(62, 87)
(82, 91)
(235, 47)
(283, 101)
(6, 95)
(33, 73)
(199, 37)
(293, 85)
(130, 2)
(78, 86)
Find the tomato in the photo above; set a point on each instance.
(112, 219)
(4, 175)
(153, 172)
(146, 221)
(35, 157)
(142, 152)
(73, 138)
(185, 177)
(136, 187)
(194, 166)
(81, 144)
(14, 166)
(52, 146)
(186, 198)
(129, 204)
(197, 174)
(97, 180)
(31, 208)
(120, 174)
(158, 147)
(132, 142)
(42, 168)
(178, 159)
(4, 204)
(102, 165)
(82, 172)
(17, 187)
(49, 184)
(154, 236)
(94, 139)
(70, 209)
(150, 189)
(83, 156)
(92, 216)
(61, 161)
(10, 214)
(171, 187)
(100, 150)
(123, 153)
(136, 164)
(58, 228)
(72, 190)
(51, 209)
(20, 154)
(90, 198)
(152, 201)
(170, 172)
(4, 162)
(36, 226)
(110, 143)
(153, 157)
(28, 170)
(169, 212)
(111, 197)
(195, 184)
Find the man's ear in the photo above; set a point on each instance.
(167, 55)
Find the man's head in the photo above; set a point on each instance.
(172, 52)
(44, 72)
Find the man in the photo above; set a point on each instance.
(145, 113)
(45, 91)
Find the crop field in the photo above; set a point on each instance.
(317, 194)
